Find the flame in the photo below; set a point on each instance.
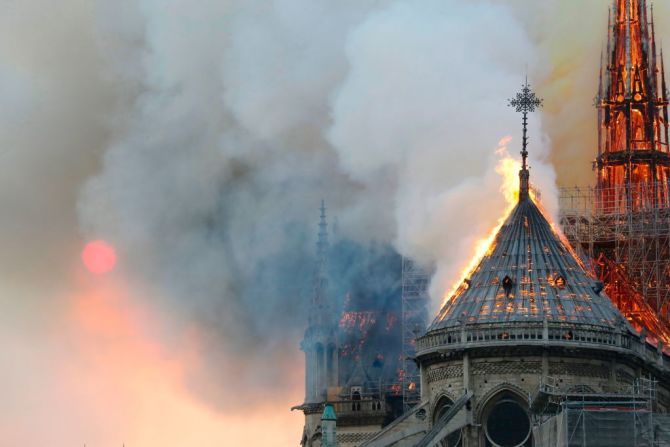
(508, 169)
(558, 231)
(360, 320)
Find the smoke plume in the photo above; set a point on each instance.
(198, 138)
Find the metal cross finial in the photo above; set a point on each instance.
(525, 102)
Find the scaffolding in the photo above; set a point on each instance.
(627, 229)
(415, 282)
(624, 417)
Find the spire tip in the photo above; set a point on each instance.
(525, 101)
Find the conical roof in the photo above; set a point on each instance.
(528, 275)
(328, 413)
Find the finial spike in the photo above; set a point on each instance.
(525, 101)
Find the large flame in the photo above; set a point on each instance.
(508, 169)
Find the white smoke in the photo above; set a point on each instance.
(425, 104)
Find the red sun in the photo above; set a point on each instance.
(99, 257)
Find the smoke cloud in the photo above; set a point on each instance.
(199, 137)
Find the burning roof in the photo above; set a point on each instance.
(528, 273)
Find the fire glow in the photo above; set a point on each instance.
(124, 384)
(508, 169)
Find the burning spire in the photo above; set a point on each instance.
(633, 134)
(525, 102)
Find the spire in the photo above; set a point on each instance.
(609, 49)
(664, 96)
(631, 44)
(322, 243)
(599, 100)
(631, 107)
(664, 93)
(629, 59)
(600, 78)
(654, 64)
(318, 309)
(525, 102)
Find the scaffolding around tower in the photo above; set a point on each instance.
(415, 299)
(626, 240)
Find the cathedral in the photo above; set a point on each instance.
(549, 341)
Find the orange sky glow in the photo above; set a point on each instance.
(101, 380)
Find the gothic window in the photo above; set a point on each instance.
(331, 361)
(619, 133)
(320, 370)
(442, 407)
(637, 133)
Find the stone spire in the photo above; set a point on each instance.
(320, 341)
(319, 303)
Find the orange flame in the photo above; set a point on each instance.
(508, 169)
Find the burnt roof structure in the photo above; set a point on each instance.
(529, 274)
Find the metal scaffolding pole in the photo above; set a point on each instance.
(629, 226)
(414, 319)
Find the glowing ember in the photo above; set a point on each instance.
(361, 320)
(99, 257)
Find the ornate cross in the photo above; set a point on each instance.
(524, 102)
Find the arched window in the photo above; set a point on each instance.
(320, 370)
(619, 132)
(506, 422)
(331, 365)
(443, 405)
(638, 138)
(441, 409)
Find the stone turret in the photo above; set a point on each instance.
(328, 427)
